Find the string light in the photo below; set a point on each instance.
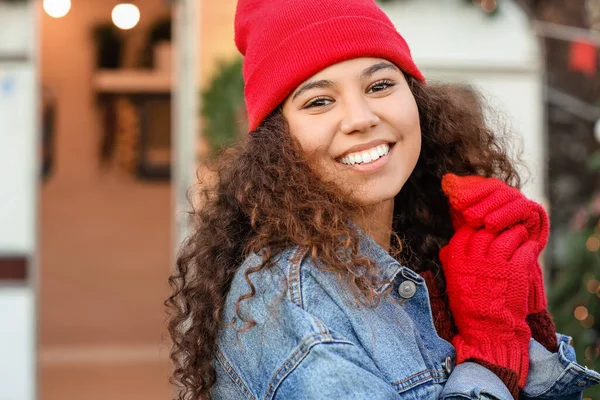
(588, 353)
(591, 353)
(593, 243)
(581, 313)
(489, 6)
(588, 322)
(592, 285)
(125, 15)
(57, 8)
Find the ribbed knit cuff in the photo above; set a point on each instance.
(543, 330)
(508, 354)
(509, 377)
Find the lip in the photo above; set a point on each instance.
(364, 146)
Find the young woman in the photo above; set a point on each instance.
(364, 241)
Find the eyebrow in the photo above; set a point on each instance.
(324, 84)
(367, 73)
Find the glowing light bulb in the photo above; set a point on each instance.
(581, 313)
(489, 6)
(593, 243)
(592, 285)
(125, 16)
(57, 8)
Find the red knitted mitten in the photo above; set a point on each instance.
(487, 284)
(491, 203)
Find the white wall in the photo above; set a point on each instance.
(17, 338)
(515, 99)
(18, 190)
(18, 157)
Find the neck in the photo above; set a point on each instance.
(377, 222)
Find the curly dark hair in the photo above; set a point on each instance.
(262, 196)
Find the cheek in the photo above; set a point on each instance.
(411, 142)
(314, 136)
(407, 122)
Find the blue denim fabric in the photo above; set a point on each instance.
(312, 340)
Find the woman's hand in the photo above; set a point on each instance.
(487, 281)
(491, 203)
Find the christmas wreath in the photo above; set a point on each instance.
(223, 109)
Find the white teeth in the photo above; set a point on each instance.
(374, 154)
(366, 156)
(363, 157)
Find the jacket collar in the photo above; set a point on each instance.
(387, 265)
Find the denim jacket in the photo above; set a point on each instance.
(312, 340)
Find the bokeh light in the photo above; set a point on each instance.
(593, 243)
(592, 286)
(125, 15)
(581, 313)
(57, 8)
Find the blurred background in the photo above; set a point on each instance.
(106, 107)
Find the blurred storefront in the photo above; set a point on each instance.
(98, 142)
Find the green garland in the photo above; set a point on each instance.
(222, 106)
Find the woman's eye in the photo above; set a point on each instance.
(318, 102)
(381, 85)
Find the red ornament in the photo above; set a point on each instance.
(583, 57)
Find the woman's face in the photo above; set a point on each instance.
(358, 122)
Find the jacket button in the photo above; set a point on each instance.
(407, 289)
(448, 365)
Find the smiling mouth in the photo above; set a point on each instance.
(366, 156)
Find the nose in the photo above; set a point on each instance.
(358, 116)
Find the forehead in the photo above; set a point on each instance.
(353, 67)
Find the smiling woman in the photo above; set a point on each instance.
(363, 240)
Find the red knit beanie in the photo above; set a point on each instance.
(285, 42)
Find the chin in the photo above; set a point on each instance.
(366, 197)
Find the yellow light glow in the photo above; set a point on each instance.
(581, 313)
(588, 322)
(588, 353)
(57, 8)
(592, 285)
(593, 243)
(125, 16)
(489, 6)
